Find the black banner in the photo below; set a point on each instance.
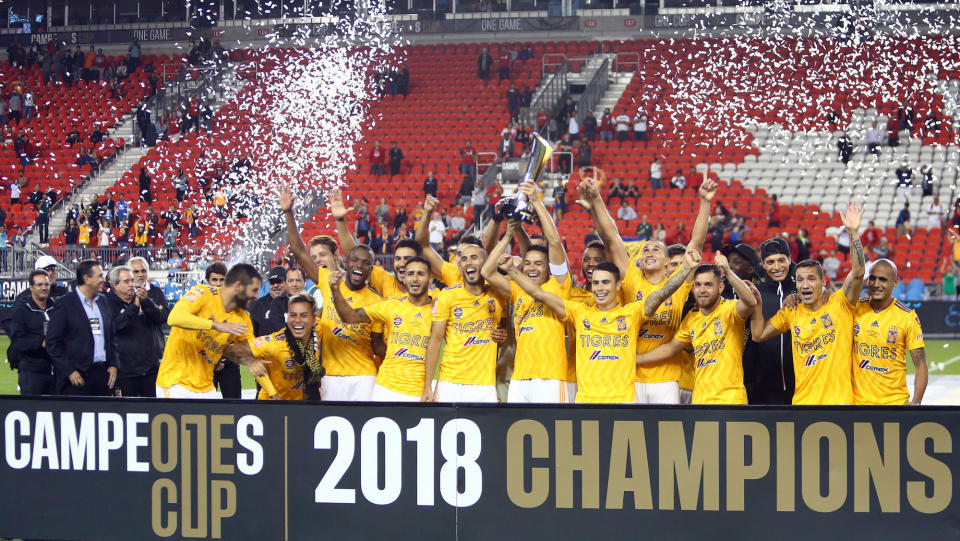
(152, 469)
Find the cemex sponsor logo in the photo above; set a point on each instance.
(405, 354)
(598, 356)
(865, 365)
(814, 359)
(340, 332)
(474, 341)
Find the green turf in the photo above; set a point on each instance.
(939, 353)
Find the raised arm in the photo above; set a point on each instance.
(489, 270)
(662, 352)
(293, 235)
(699, 234)
(492, 232)
(558, 256)
(438, 329)
(347, 313)
(919, 357)
(520, 235)
(339, 212)
(690, 261)
(422, 236)
(746, 302)
(854, 280)
(591, 200)
(552, 301)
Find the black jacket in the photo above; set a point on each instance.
(774, 358)
(139, 333)
(268, 314)
(28, 323)
(70, 339)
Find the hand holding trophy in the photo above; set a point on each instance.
(516, 204)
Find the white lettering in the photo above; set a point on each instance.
(249, 427)
(369, 461)
(45, 442)
(109, 437)
(16, 424)
(78, 447)
(135, 442)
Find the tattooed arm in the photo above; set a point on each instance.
(690, 261)
(854, 281)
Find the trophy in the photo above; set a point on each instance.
(516, 204)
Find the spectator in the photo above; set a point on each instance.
(883, 249)
(513, 102)
(362, 226)
(934, 214)
(15, 190)
(99, 64)
(382, 210)
(773, 214)
(437, 229)
(956, 213)
(623, 126)
(590, 126)
(893, 132)
(181, 185)
(145, 183)
(870, 236)
(617, 189)
(484, 62)
(591, 236)
(904, 180)
(644, 229)
(457, 221)
(573, 127)
(660, 233)
(831, 265)
(926, 180)
(3, 110)
(844, 148)
(503, 69)
(139, 312)
(564, 159)
(90, 158)
(679, 181)
(267, 312)
(133, 56)
(28, 326)
(494, 193)
(430, 186)
(640, 127)
(655, 175)
(43, 219)
(585, 154)
(29, 107)
(606, 126)
(803, 245)
(403, 82)
(903, 221)
(15, 104)
(506, 145)
(874, 138)
(526, 98)
(80, 338)
(468, 157)
(97, 135)
(626, 212)
(377, 159)
(396, 159)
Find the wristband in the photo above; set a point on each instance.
(558, 270)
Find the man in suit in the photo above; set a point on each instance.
(80, 338)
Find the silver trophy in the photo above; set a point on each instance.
(516, 205)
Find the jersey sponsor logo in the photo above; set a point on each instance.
(856, 329)
(701, 362)
(476, 303)
(340, 332)
(814, 359)
(457, 312)
(404, 353)
(892, 335)
(717, 327)
(519, 304)
(586, 324)
(603, 319)
(875, 324)
(289, 364)
(865, 365)
(526, 328)
(796, 331)
(598, 355)
(397, 321)
(621, 324)
(648, 335)
(827, 322)
(281, 338)
(474, 341)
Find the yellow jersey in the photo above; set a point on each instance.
(581, 295)
(346, 347)
(470, 355)
(659, 328)
(606, 344)
(718, 340)
(881, 341)
(284, 376)
(407, 334)
(390, 287)
(194, 348)
(450, 274)
(686, 370)
(822, 350)
(541, 351)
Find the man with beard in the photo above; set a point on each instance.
(267, 312)
(657, 383)
(347, 348)
(293, 354)
(773, 381)
(821, 326)
(139, 333)
(884, 330)
(715, 329)
(464, 315)
(203, 323)
(540, 362)
(607, 332)
(744, 262)
(402, 373)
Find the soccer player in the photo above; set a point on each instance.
(657, 383)
(884, 331)
(215, 274)
(348, 349)
(593, 254)
(606, 333)
(292, 354)
(821, 327)
(202, 324)
(716, 331)
(540, 362)
(401, 375)
(465, 315)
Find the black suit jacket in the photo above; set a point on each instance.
(69, 337)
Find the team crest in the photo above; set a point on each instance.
(717, 327)
(621, 324)
(586, 324)
(892, 335)
(796, 331)
(491, 306)
(457, 312)
(519, 304)
(827, 322)
(289, 364)
(397, 321)
(281, 338)
(668, 302)
(639, 295)
(856, 329)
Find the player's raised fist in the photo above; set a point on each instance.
(691, 259)
(721, 262)
(286, 199)
(709, 188)
(430, 204)
(337, 208)
(529, 189)
(336, 277)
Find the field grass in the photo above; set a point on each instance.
(943, 358)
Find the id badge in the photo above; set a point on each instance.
(95, 326)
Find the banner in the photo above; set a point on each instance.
(109, 469)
